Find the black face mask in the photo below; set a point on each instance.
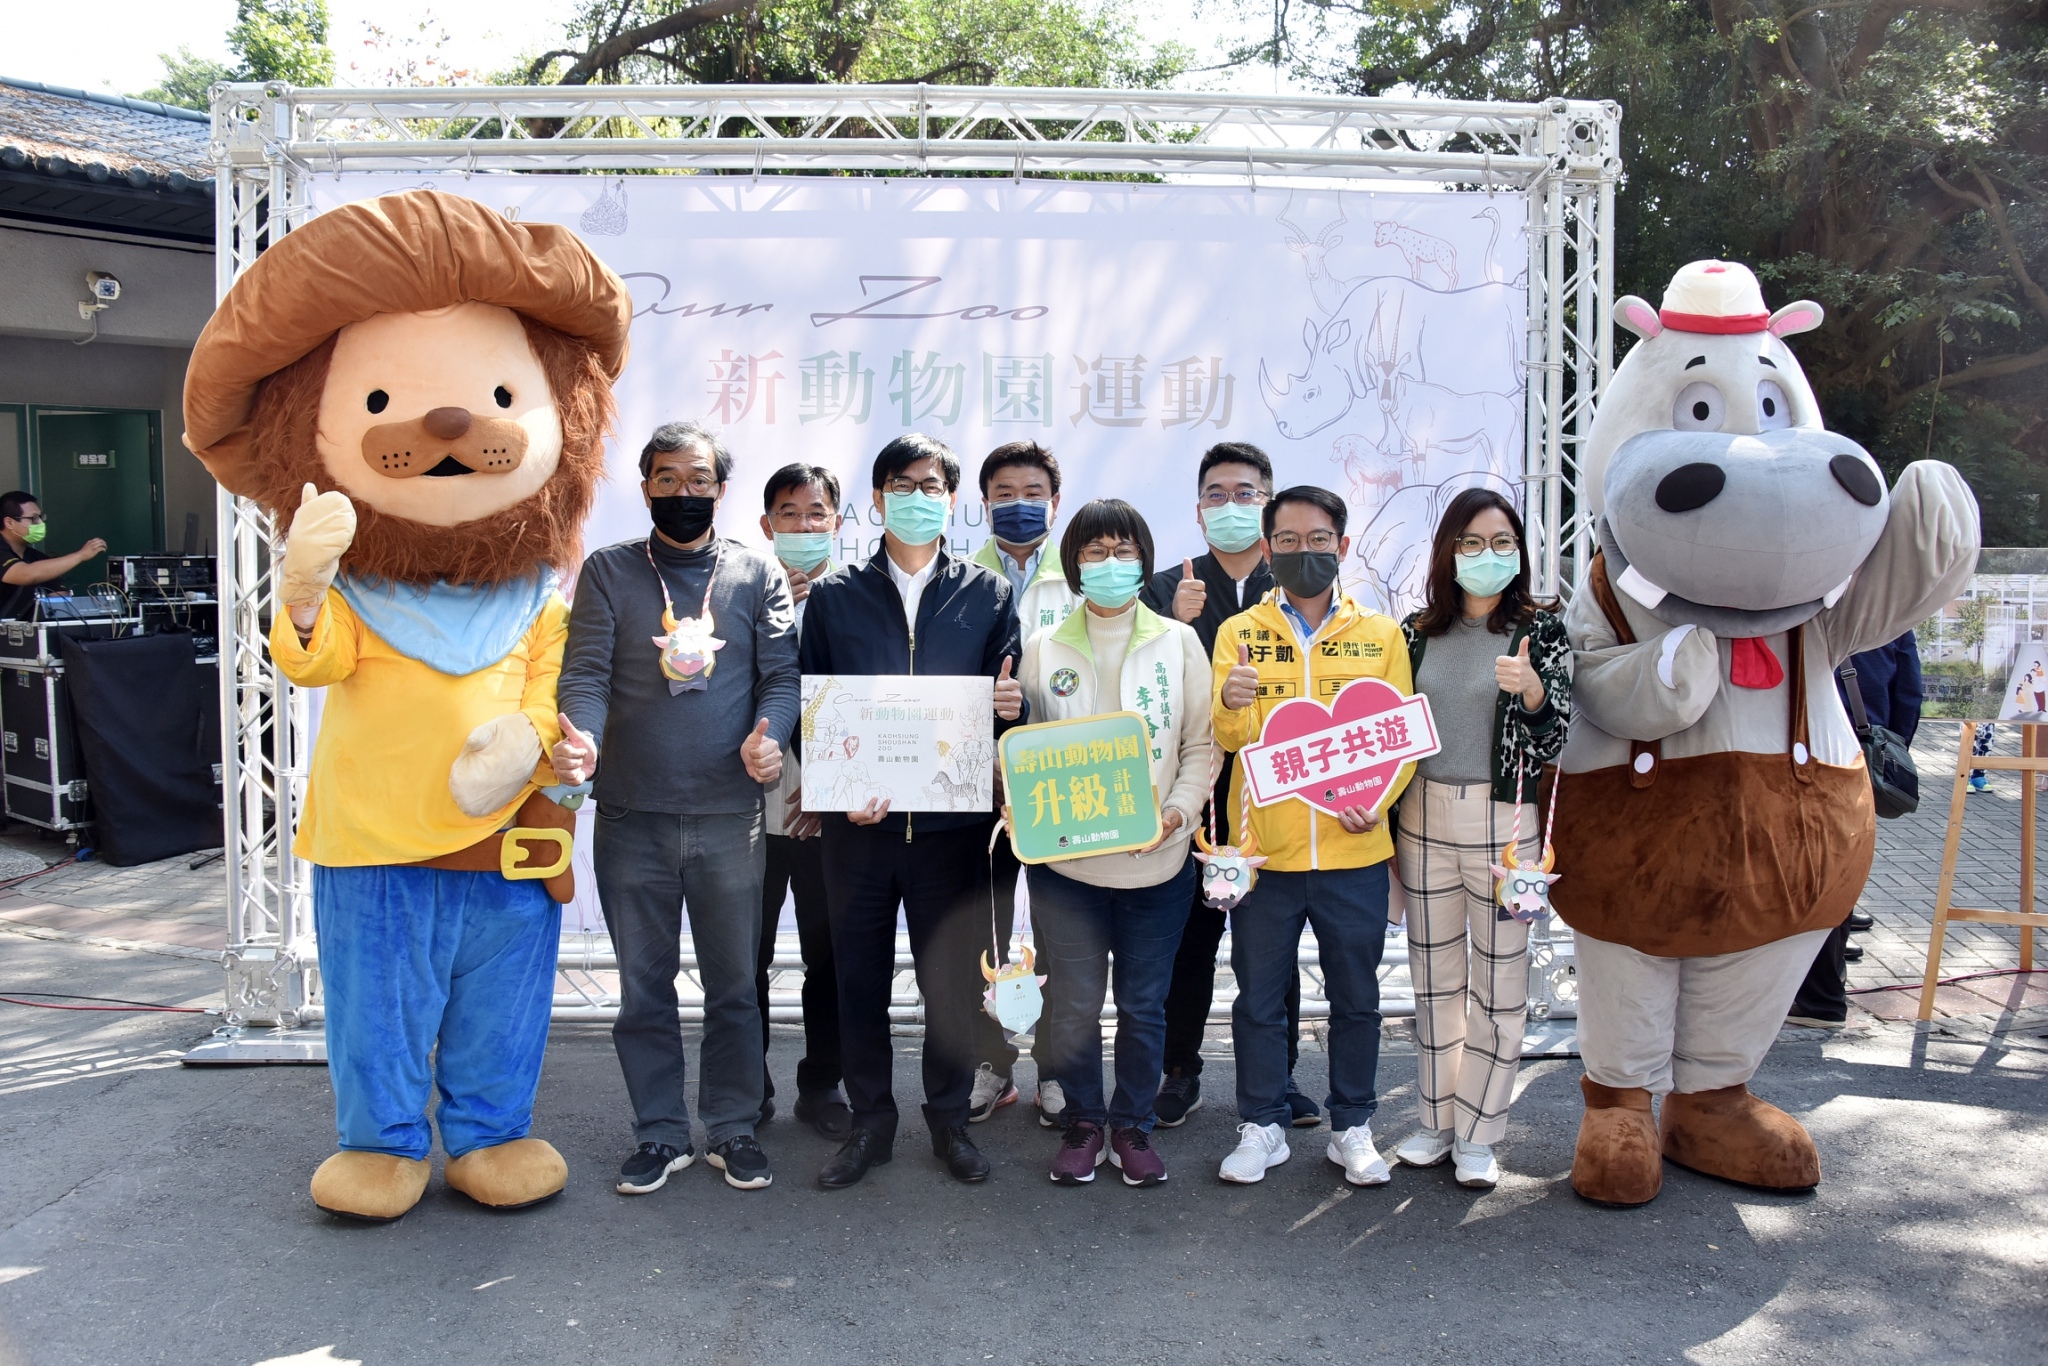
(683, 518)
(1305, 573)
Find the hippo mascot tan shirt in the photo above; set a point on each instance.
(421, 387)
(1715, 817)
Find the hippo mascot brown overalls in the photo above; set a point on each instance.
(1714, 815)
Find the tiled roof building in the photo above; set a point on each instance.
(86, 159)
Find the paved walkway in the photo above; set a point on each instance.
(172, 907)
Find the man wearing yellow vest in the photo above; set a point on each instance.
(1307, 638)
(1020, 492)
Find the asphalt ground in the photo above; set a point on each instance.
(153, 1213)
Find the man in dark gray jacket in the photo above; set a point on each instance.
(679, 690)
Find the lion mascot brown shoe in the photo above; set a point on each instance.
(1714, 815)
(419, 388)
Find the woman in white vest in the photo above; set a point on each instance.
(1117, 655)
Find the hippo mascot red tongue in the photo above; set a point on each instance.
(1716, 818)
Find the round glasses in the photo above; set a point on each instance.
(1502, 544)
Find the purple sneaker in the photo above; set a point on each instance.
(1131, 1150)
(1079, 1155)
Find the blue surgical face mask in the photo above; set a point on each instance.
(1021, 522)
(803, 550)
(917, 518)
(1487, 573)
(1233, 527)
(1112, 583)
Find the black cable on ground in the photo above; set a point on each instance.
(52, 1005)
(1947, 981)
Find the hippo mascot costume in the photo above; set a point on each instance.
(421, 388)
(1714, 816)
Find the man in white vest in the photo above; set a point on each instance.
(1020, 492)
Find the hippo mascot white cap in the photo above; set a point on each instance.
(1715, 817)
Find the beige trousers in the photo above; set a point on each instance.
(1685, 1024)
(1470, 965)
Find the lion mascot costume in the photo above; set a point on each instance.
(421, 387)
(1714, 815)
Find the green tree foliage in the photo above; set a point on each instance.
(959, 42)
(272, 40)
(1888, 158)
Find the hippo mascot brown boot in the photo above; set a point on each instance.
(1713, 812)
(1731, 1134)
(1617, 1161)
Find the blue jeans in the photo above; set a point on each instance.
(1079, 928)
(1348, 909)
(415, 959)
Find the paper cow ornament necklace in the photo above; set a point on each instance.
(689, 651)
(1524, 893)
(1228, 870)
(1013, 999)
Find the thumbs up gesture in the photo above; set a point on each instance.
(761, 755)
(1190, 595)
(574, 755)
(1009, 694)
(1517, 675)
(1241, 684)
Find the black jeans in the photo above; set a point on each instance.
(1194, 986)
(648, 865)
(799, 866)
(1824, 995)
(991, 1045)
(941, 882)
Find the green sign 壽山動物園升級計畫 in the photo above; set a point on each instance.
(1080, 787)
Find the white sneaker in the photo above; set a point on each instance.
(1425, 1148)
(1353, 1151)
(1052, 1105)
(1475, 1164)
(990, 1094)
(1259, 1148)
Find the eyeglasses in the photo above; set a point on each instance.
(1102, 554)
(1502, 544)
(934, 487)
(800, 521)
(1244, 498)
(1287, 542)
(36, 520)
(668, 485)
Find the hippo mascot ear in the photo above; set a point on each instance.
(1794, 318)
(1637, 316)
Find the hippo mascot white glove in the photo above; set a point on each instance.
(421, 387)
(1715, 817)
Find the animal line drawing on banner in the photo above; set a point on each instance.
(1418, 383)
(607, 216)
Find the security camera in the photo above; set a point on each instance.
(104, 287)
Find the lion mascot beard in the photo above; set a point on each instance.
(422, 387)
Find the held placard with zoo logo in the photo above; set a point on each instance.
(924, 743)
(1080, 787)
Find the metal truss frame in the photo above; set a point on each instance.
(270, 140)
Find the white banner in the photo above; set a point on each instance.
(1370, 343)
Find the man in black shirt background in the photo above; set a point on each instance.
(1232, 485)
(24, 568)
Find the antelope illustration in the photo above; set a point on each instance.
(1013, 999)
(689, 649)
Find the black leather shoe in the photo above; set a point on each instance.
(1852, 953)
(1859, 922)
(954, 1148)
(864, 1148)
(825, 1111)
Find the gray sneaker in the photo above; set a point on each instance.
(1052, 1105)
(991, 1093)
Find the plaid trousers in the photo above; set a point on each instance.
(1469, 961)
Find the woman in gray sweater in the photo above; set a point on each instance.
(1496, 667)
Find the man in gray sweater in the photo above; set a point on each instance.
(679, 689)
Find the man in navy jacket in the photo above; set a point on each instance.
(911, 609)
